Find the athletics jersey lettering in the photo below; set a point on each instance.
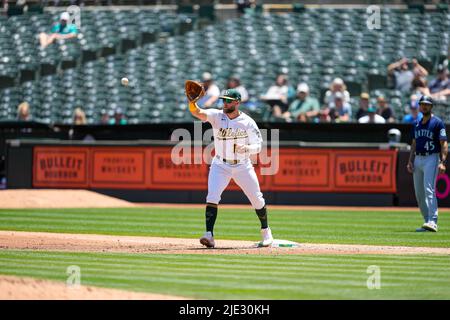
(230, 132)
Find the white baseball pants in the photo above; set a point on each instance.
(220, 174)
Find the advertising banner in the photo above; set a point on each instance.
(167, 175)
(60, 167)
(303, 170)
(114, 167)
(365, 170)
(157, 168)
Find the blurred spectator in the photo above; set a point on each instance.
(23, 112)
(363, 105)
(62, 30)
(304, 108)
(106, 116)
(277, 96)
(336, 86)
(118, 118)
(235, 83)
(404, 72)
(440, 86)
(419, 87)
(212, 92)
(372, 116)
(242, 5)
(324, 114)
(79, 117)
(385, 110)
(56, 3)
(340, 110)
(79, 3)
(414, 113)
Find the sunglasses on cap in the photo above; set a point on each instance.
(227, 100)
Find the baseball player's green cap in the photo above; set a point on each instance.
(232, 94)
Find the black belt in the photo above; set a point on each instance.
(229, 161)
(424, 153)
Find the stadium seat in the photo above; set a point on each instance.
(313, 46)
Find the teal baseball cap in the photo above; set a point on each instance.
(232, 94)
(371, 109)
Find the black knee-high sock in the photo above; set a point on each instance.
(210, 215)
(262, 215)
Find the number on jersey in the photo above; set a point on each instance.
(429, 145)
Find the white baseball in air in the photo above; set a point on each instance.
(124, 81)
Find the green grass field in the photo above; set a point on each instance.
(240, 276)
(372, 228)
(244, 276)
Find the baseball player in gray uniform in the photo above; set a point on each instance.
(428, 157)
(236, 137)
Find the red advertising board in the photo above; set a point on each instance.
(118, 168)
(159, 168)
(370, 171)
(62, 167)
(177, 173)
(302, 170)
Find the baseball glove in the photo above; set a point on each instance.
(194, 90)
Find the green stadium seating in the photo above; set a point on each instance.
(312, 45)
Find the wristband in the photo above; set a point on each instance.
(192, 107)
(254, 148)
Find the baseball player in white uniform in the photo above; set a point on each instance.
(236, 137)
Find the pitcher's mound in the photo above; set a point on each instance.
(49, 198)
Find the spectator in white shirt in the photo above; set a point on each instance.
(235, 83)
(336, 86)
(212, 92)
(277, 96)
(372, 116)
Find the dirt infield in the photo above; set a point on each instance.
(13, 288)
(104, 243)
(43, 198)
(29, 288)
